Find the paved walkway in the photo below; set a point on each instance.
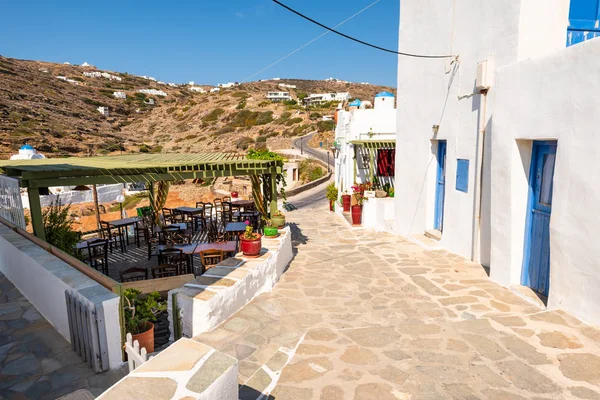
(360, 315)
(36, 362)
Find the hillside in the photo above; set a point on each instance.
(61, 118)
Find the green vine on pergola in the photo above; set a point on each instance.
(262, 198)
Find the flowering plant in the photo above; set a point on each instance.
(359, 191)
(249, 233)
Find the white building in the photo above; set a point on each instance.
(316, 98)
(197, 89)
(103, 110)
(119, 95)
(228, 85)
(279, 96)
(503, 171)
(366, 141)
(154, 92)
(286, 86)
(215, 90)
(27, 152)
(85, 64)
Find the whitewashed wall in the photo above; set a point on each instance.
(106, 194)
(434, 92)
(555, 97)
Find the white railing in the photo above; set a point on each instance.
(11, 206)
(135, 356)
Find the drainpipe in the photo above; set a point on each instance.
(478, 192)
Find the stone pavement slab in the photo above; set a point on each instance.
(364, 315)
(36, 362)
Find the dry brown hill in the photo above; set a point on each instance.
(61, 118)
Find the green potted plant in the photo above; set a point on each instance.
(140, 314)
(270, 231)
(278, 219)
(332, 195)
(250, 242)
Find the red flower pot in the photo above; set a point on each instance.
(330, 205)
(356, 215)
(346, 200)
(234, 195)
(251, 248)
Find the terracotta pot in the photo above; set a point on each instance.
(251, 248)
(271, 231)
(234, 195)
(146, 338)
(346, 199)
(278, 221)
(356, 215)
(331, 205)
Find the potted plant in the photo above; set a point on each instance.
(278, 219)
(332, 195)
(140, 313)
(250, 242)
(270, 231)
(359, 194)
(346, 201)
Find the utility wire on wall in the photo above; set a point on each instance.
(310, 42)
(358, 40)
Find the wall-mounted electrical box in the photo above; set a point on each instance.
(484, 75)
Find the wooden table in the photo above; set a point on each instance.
(226, 247)
(124, 223)
(239, 204)
(236, 227)
(186, 249)
(190, 212)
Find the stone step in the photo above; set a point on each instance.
(433, 234)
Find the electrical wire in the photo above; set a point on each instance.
(310, 42)
(358, 40)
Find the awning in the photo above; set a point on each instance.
(375, 144)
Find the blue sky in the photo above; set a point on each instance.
(207, 41)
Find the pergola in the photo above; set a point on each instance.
(149, 168)
(369, 153)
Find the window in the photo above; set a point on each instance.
(462, 175)
(547, 174)
(386, 162)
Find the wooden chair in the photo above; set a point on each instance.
(152, 241)
(163, 271)
(227, 213)
(112, 235)
(198, 219)
(166, 234)
(227, 199)
(218, 204)
(97, 250)
(210, 259)
(175, 258)
(214, 234)
(134, 274)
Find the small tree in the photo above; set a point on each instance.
(58, 228)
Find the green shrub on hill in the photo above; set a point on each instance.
(213, 115)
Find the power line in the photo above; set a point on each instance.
(310, 42)
(358, 40)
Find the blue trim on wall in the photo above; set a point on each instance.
(462, 175)
(440, 190)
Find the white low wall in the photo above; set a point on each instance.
(222, 291)
(185, 370)
(43, 279)
(106, 194)
(376, 212)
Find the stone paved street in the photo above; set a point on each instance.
(36, 362)
(360, 315)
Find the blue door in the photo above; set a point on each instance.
(536, 263)
(440, 189)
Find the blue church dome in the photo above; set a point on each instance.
(26, 147)
(384, 94)
(355, 103)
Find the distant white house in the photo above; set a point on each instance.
(172, 84)
(149, 102)
(197, 89)
(154, 92)
(98, 74)
(316, 98)
(228, 85)
(327, 118)
(215, 90)
(279, 96)
(285, 85)
(119, 95)
(103, 110)
(27, 152)
(62, 78)
(85, 64)
(73, 81)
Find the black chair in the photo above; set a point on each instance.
(134, 274)
(163, 271)
(210, 259)
(227, 213)
(113, 235)
(152, 241)
(97, 250)
(174, 258)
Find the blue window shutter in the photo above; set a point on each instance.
(462, 175)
